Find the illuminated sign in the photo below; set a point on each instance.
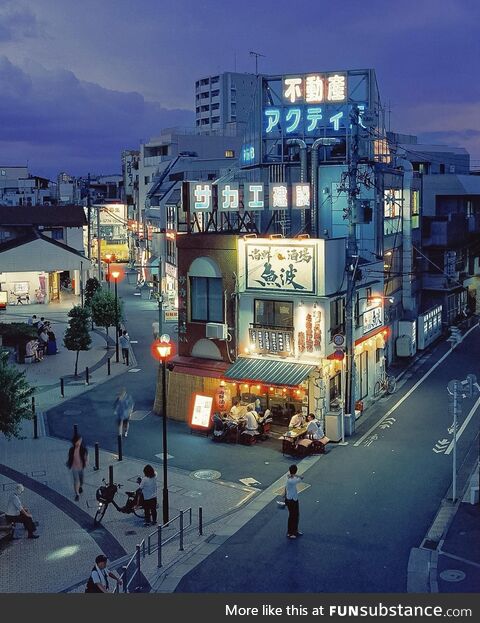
(201, 196)
(315, 88)
(248, 154)
(305, 120)
(201, 412)
(251, 196)
(280, 267)
(170, 315)
(372, 319)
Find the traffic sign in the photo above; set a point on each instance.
(339, 339)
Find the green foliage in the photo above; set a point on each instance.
(16, 333)
(91, 286)
(15, 398)
(103, 309)
(76, 336)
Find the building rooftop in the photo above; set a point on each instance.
(57, 216)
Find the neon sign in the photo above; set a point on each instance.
(315, 88)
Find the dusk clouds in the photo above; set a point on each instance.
(80, 81)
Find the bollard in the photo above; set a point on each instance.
(181, 531)
(87, 376)
(139, 573)
(200, 521)
(33, 405)
(35, 426)
(127, 357)
(62, 388)
(110, 474)
(75, 430)
(97, 457)
(159, 554)
(108, 367)
(125, 579)
(119, 443)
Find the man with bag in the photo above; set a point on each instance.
(98, 580)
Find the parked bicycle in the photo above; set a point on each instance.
(106, 495)
(387, 384)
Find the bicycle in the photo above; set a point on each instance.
(106, 495)
(387, 384)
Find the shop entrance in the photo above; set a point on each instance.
(283, 402)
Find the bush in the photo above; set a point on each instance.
(17, 333)
(15, 398)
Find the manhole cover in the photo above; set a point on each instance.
(453, 575)
(206, 474)
(72, 412)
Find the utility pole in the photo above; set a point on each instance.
(89, 221)
(351, 265)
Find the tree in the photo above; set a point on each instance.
(91, 286)
(15, 398)
(103, 309)
(76, 336)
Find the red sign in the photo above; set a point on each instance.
(223, 399)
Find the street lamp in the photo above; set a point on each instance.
(162, 350)
(116, 275)
(108, 259)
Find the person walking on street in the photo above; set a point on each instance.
(76, 463)
(18, 513)
(98, 580)
(148, 486)
(125, 346)
(123, 408)
(291, 501)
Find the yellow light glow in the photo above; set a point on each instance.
(247, 350)
(115, 274)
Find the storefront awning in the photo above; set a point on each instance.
(268, 371)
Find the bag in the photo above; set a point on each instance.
(91, 587)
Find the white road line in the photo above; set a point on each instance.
(410, 391)
(463, 426)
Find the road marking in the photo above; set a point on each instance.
(468, 562)
(441, 446)
(411, 390)
(249, 481)
(370, 440)
(464, 425)
(388, 422)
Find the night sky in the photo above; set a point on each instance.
(80, 80)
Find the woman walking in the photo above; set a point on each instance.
(149, 490)
(76, 463)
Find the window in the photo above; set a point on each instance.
(215, 93)
(57, 234)
(147, 179)
(215, 79)
(337, 317)
(274, 313)
(229, 153)
(415, 209)
(442, 169)
(215, 119)
(215, 106)
(206, 296)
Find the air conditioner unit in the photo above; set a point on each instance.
(216, 331)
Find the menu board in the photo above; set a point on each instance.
(201, 411)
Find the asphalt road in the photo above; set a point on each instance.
(366, 507)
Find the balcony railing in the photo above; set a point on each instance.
(272, 339)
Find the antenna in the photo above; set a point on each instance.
(256, 55)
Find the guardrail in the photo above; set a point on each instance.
(131, 574)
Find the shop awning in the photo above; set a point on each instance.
(248, 369)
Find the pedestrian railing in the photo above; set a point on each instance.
(131, 574)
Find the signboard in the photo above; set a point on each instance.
(201, 412)
(372, 319)
(112, 214)
(280, 267)
(170, 315)
(339, 339)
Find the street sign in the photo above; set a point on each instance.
(339, 354)
(339, 339)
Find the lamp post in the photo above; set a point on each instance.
(116, 275)
(162, 350)
(108, 259)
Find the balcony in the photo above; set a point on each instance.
(271, 340)
(444, 233)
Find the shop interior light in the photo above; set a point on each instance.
(252, 347)
(386, 266)
(259, 387)
(247, 351)
(271, 389)
(388, 254)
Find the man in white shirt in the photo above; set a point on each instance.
(291, 501)
(252, 424)
(297, 421)
(17, 513)
(98, 580)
